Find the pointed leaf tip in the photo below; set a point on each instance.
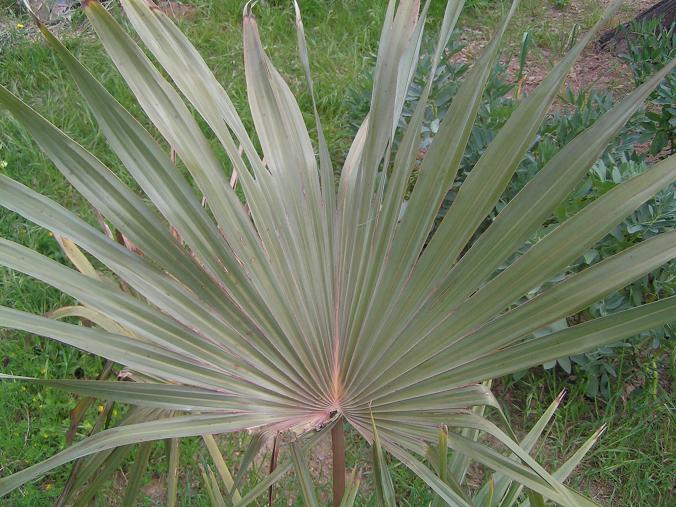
(30, 10)
(248, 9)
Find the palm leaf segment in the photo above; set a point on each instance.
(320, 300)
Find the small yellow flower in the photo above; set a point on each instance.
(43, 370)
(45, 436)
(48, 486)
(20, 26)
(100, 408)
(114, 412)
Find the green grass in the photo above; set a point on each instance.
(630, 465)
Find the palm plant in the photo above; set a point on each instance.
(319, 304)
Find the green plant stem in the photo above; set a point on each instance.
(174, 450)
(338, 453)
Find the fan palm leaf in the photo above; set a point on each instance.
(322, 300)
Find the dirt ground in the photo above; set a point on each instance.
(597, 68)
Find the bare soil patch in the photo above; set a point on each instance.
(596, 69)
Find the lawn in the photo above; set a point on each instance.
(633, 462)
